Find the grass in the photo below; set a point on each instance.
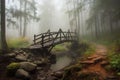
(17, 42)
(61, 47)
(90, 50)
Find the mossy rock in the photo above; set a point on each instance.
(12, 68)
(69, 71)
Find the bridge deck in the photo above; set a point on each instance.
(50, 39)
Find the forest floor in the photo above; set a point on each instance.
(93, 65)
(96, 61)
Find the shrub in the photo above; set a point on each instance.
(115, 62)
(114, 55)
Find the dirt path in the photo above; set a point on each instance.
(96, 62)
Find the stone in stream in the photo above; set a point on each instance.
(28, 66)
(22, 74)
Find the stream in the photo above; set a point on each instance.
(63, 59)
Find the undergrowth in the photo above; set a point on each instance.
(17, 42)
(114, 56)
(84, 48)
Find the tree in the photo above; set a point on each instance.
(25, 13)
(107, 12)
(3, 27)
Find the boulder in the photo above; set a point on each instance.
(22, 74)
(10, 55)
(28, 66)
(22, 57)
(12, 68)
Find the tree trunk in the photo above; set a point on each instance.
(3, 29)
(20, 18)
(25, 21)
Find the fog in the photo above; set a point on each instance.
(88, 18)
(52, 16)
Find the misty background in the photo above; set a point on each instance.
(52, 16)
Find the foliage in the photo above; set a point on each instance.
(114, 56)
(18, 43)
(12, 68)
(115, 62)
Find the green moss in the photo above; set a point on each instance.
(17, 43)
(12, 68)
(61, 47)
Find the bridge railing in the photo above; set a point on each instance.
(50, 38)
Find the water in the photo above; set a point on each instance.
(61, 62)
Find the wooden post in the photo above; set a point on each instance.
(49, 33)
(68, 35)
(60, 31)
(42, 40)
(34, 39)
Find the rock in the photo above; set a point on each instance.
(58, 74)
(20, 73)
(28, 66)
(51, 78)
(12, 68)
(52, 59)
(10, 55)
(98, 59)
(22, 57)
(104, 63)
(39, 68)
(40, 63)
(87, 62)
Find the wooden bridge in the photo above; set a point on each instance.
(49, 39)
